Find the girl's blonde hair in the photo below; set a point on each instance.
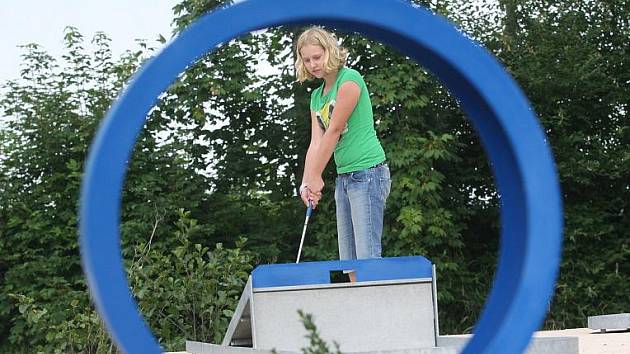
(334, 55)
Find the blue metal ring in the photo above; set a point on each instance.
(523, 166)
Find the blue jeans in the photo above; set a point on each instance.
(360, 198)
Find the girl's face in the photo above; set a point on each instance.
(313, 59)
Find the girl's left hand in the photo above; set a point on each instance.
(314, 198)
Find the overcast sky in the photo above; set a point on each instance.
(43, 22)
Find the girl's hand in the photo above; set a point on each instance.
(314, 198)
(315, 187)
(304, 194)
(309, 197)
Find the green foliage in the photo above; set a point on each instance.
(226, 144)
(187, 293)
(571, 60)
(81, 331)
(54, 111)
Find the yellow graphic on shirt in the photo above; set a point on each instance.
(325, 114)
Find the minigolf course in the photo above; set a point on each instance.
(523, 166)
(391, 306)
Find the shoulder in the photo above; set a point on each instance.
(351, 74)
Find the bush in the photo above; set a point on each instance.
(186, 293)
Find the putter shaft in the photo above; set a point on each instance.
(308, 214)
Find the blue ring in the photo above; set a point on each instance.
(523, 166)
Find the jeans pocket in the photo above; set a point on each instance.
(386, 187)
(385, 181)
(360, 176)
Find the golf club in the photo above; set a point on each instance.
(309, 211)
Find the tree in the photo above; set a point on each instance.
(54, 112)
(571, 62)
(225, 144)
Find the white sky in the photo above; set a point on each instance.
(43, 22)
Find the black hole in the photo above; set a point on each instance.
(338, 276)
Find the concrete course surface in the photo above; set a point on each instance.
(589, 342)
(594, 342)
(618, 321)
(538, 345)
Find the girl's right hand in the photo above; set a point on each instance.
(309, 197)
(314, 198)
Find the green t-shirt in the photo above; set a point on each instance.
(358, 147)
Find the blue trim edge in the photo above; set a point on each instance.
(312, 273)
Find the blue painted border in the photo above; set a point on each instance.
(531, 213)
(311, 273)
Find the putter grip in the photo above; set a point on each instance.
(309, 210)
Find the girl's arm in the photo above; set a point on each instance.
(316, 136)
(347, 98)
